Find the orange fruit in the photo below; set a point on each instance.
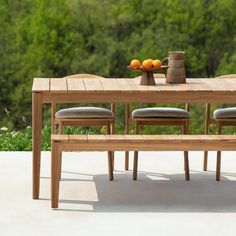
(147, 64)
(157, 64)
(135, 63)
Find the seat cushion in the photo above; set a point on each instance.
(225, 113)
(84, 113)
(160, 112)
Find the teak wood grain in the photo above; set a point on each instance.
(146, 142)
(75, 85)
(93, 85)
(58, 85)
(55, 85)
(131, 143)
(41, 85)
(121, 90)
(65, 90)
(111, 85)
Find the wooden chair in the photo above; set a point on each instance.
(222, 117)
(175, 116)
(78, 116)
(129, 120)
(149, 116)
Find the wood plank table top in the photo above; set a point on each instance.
(196, 90)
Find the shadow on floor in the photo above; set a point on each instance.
(154, 192)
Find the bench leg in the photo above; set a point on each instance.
(110, 156)
(218, 159)
(186, 160)
(135, 168)
(55, 153)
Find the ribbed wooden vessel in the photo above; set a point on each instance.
(176, 68)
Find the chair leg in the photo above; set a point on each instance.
(207, 123)
(135, 167)
(112, 161)
(186, 159)
(110, 164)
(218, 166)
(113, 153)
(126, 160)
(186, 166)
(218, 159)
(205, 162)
(127, 115)
(61, 128)
(110, 156)
(53, 111)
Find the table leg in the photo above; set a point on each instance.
(53, 111)
(37, 136)
(127, 117)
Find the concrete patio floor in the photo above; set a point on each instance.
(160, 202)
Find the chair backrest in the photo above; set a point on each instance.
(76, 76)
(84, 76)
(163, 76)
(208, 119)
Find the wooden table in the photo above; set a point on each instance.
(119, 90)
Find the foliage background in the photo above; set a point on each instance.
(55, 38)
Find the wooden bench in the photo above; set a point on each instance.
(132, 143)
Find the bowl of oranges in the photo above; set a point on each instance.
(148, 67)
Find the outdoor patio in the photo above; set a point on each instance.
(160, 201)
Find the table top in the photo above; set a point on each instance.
(57, 85)
(196, 90)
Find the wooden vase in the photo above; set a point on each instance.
(176, 68)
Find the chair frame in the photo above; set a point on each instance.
(129, 120)
(152, 121)
(184, 122)
(77, 122)
(219, 124)
(109, 123)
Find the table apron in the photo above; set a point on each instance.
(218, 97)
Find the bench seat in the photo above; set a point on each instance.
(146, 142)
(131, 143)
